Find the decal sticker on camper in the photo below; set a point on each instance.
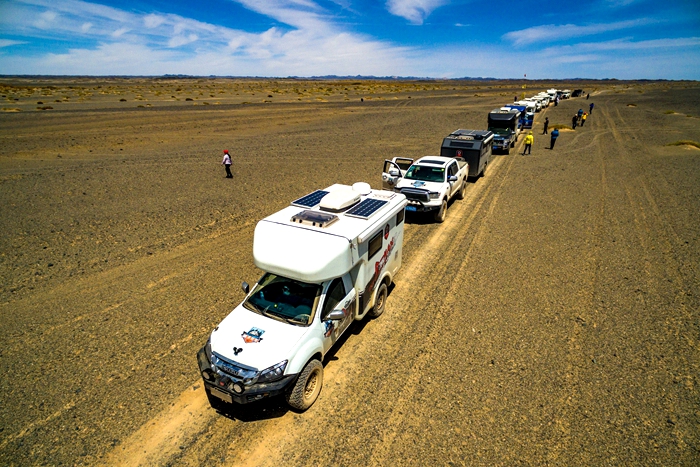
(252, 336)
(378, 267)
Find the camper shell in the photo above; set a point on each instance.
(474, 146)
(505, 124)
(328, 259)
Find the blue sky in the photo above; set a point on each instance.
(624, 39)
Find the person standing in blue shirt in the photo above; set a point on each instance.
(553, 138)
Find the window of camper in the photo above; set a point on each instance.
(375, 244)
(399, 216)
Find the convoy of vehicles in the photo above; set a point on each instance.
(329, 258)
(429, 183)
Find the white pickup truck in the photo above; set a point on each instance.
(428, 183)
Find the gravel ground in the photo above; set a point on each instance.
(551, 320)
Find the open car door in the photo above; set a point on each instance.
(393, 171)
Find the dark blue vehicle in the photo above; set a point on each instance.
(526, 118)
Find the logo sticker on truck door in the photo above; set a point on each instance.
(252, 336)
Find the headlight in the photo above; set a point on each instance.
(273, 373)
(434, 195)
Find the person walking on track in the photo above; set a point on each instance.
(583, 118)
(546, 125)
(227, 163)
(574, 121)
(590, 108)
(529, 139)
(553, 138)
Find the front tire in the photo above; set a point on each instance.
(441, 213)
(308, 386)
(379, 302)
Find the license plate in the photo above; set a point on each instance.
(411, 208)
(221, 395)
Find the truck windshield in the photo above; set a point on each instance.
(284, 299)
(425, 173)
(501, 131)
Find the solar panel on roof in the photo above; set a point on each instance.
(366, 208)
(310, 200)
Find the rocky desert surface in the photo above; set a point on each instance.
(553, 319)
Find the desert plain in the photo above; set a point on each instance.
(552, 319)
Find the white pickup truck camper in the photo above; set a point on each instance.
(328, 259)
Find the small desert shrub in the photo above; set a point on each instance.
(46, 107)
(631, 105)
(559, 126)
(39, 103)
(122, 100)
(188, 99)
(685, 142)
(669, 112)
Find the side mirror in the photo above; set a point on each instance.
(336, 315)
(245, 287)
(452, 178)
(394, 172)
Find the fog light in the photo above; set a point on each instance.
(206, 374)
(237, 388)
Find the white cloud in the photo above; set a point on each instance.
(45, 20)
(85, 27)
(178, 41)
(153, 21)
(120, 32)
(415, 11)
(9, 42)
(551, 32)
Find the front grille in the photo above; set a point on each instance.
(233, 369)
(416, 195)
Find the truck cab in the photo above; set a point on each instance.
(429, 183)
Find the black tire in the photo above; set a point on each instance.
(379, 301)
(441, 213)
(462, 190)
(307, 387)
(486, 164)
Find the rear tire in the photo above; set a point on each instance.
(308, 386)
(441, 213)
(379, 301)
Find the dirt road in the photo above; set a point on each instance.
(552, 319)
